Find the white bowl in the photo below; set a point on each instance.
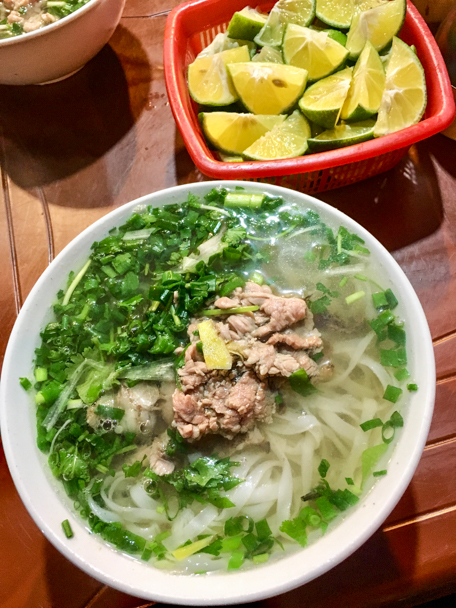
(49, 506)
(61, 48)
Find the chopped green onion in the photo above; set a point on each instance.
(354, 297)
(75, 283)
(360, 277)
(396, 334)
(371, 424)
(257, 277)
(278, 399)
(236, 560)
(261, 558)
(25, 383)
(402, 374)
(39, 398)
(392, 393)
(396, 420)
(213, 312)
(343, 282)
(262, 529)
(369, 459)
(379, 473)
(67, 529)
(41, 374)
(392, 300)
(379, 300)
(349, 481)
(412, 387)
(388, 432)
(251, 201)
(310, 256)
(231, 543)
(327, 510)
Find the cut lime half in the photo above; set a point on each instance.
(246, 24)
(232, 133)
(404, 98)
(222, 42)
(300, 12)
(208, 80)
(323, 101)
(313, 50)
(336, 13)
(342, 135)
(378, 25)
(366, 88)
(267, 88)
(286, 140)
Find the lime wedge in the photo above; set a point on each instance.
(230, 158)
(223, 43)
(366, 88)
(323, 101)
(300, 12)
(286, 140)
(336, 13)
(404, 98)
(342, 135)
(267, 88)
(208, 80)
(233, 133)
(312, 50)
(246, 24)
(268, 54)
(378, 25)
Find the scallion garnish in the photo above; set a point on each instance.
(67, 529)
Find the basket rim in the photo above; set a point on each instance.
(203, 158)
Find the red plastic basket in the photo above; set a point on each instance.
(192, 26)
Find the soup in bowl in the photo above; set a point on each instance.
(214, 393)
(42, 42)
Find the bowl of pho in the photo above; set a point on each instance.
(216, 393)
(44, 41)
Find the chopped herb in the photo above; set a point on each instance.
(392, 393)
(67, 529)
(402, 374)
(300, 383)
(379, 473)
(371, 424)
(412, 387)
(392, 300)
(323, 468)
(25, 383)
(354, 297)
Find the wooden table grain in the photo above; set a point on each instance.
(73, 151)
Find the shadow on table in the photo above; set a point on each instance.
(52, 132)
(400, 206)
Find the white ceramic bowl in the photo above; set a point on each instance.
(49, 506)
(61, 48)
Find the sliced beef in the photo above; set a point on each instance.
(282, 313)
(222, 406)
(268, 346)
(311, 342)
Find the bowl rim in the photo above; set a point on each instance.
(181, 22)
(131, 576)
(52, 27)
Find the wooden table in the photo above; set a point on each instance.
(73, 151)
